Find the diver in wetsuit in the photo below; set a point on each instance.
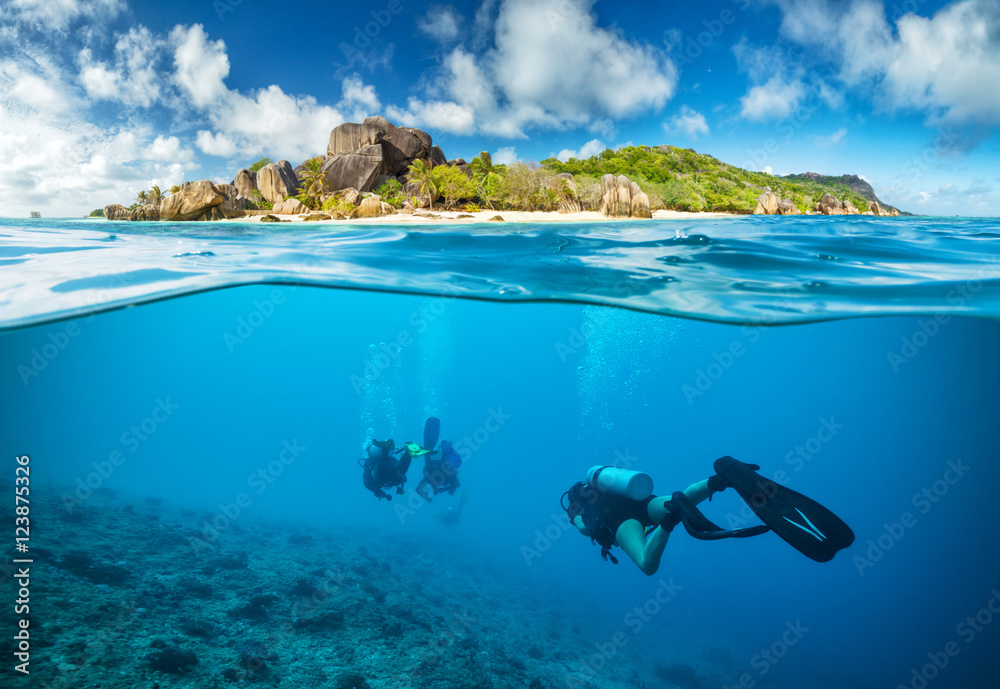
(383, 470)
(617, 507)
(440, 471)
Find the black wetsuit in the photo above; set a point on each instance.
(385, 471)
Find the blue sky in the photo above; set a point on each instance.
(101, 98)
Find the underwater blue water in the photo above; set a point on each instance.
(863, 414)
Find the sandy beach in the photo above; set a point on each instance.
(428, 217)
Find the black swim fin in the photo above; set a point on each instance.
(803, 523)
(680, 509)
(432, 430)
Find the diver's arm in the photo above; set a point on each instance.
(578, 523)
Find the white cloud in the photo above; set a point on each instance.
(264, 122)
(775, 99)
(944, 65)
(833, 139)
(441, 23)
(688, 121)
(200, 65)
(134, 79)
(58, 15)
(551, 67)
(217, 144)
(441, 115)
(505, 155)
(777, 87)
(591, 148)
(168, 149)
(359, 100)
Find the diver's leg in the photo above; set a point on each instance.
(420, 489)
(646, 554)
(696, 493)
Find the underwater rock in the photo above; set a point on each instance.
(255, 609)
(253, 655)
(352, 680)
(172, 660)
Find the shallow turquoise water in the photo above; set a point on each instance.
(887, 419)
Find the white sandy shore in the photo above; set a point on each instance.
(484, 216)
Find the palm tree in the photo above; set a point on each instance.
(155, 196)
(481, 165)
(141, 197)
(314, 182)
(421, 173)
(174, 189)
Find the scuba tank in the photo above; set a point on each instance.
(635, 485)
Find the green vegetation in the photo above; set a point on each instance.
(314, 184)
(681, 179)
(338, 203)
(453, 184)
(422, 174)
(259, 164)
(259, 202)
(391, 192)
(97, 213)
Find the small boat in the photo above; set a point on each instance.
(35, 214)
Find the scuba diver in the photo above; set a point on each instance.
(441, 473)
(383, 470)
(449, 517)
(617, 507)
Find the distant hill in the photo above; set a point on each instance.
(683, 179)
(857, 184)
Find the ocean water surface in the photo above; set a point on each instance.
(194, 400)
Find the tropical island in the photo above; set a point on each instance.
(374, 169)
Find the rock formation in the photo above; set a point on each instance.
(290, 207)
(621, 198)
(437, 156)
(246, 183)
(116, 211)
(873, 206)
(829, 205)
(767, 204)
(372, 207)
(201, 200)
(276, 181)
(788, 207)
(144, 214)
(849, 208)
(565, 186)
(356, 169)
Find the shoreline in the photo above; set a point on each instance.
(424, 217)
